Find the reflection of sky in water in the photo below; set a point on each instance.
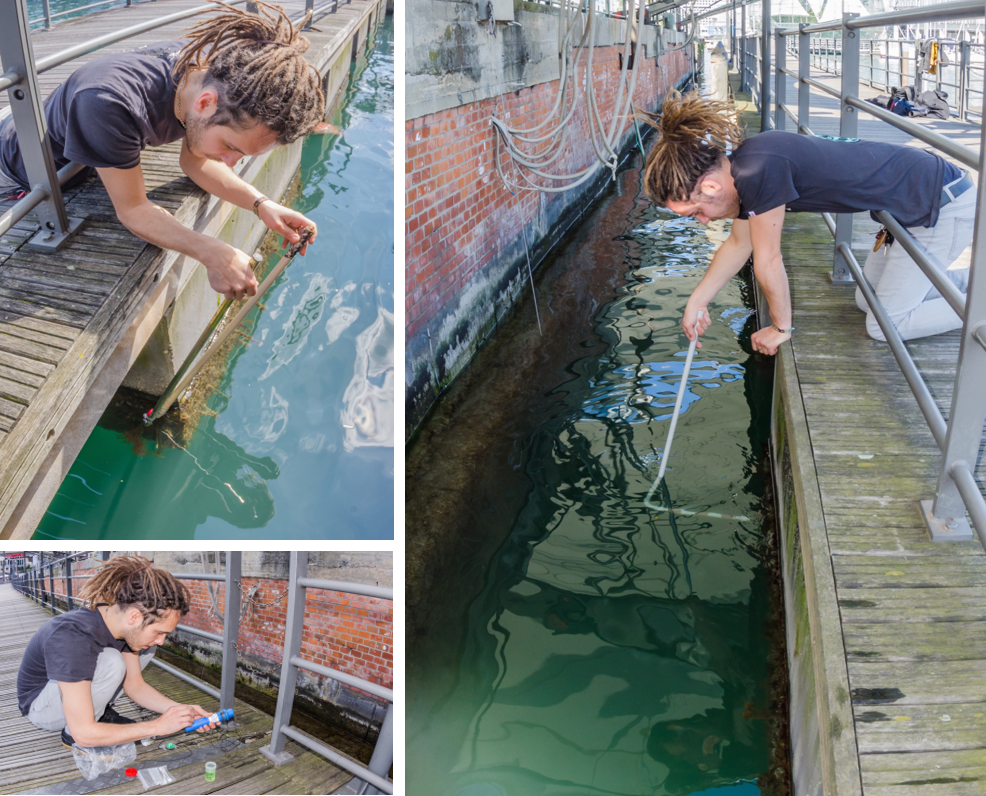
(654, 385)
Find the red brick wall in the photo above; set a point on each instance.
(458, 214)
(347, 632)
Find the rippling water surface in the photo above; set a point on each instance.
(298, 439)
(601, 646)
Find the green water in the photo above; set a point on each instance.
(564, 638)
(301, 444)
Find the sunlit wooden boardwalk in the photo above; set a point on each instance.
(34, 761)
(897, 646)
(72, 323)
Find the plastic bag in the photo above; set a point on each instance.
(152, 777)
(95, 760)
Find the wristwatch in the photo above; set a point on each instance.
(777, 328)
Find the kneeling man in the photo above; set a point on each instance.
(78, 663)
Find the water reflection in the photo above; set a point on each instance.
(608, 648)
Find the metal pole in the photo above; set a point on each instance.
(804, 90)
(963, 77)
(46, 8)
(968, 410)
(231, 628)
(68, 584)
(51, 582)
(383, 751)
(293, 630)
(742, 48)
(765, 38)
(780, 83)
(17, 55)
(848, 127)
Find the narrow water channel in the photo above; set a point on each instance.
(563, 637)
(297, 439)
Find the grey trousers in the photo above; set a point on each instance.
(46, 711)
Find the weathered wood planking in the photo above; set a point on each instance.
(62, 315)
(31, 758)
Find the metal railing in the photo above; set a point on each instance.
(374, 776)
(959, 438)
(20, 79)
(47, 17)
(32, 583)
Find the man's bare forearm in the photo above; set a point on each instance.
(726, 263)
(147, 696)
(772, 279)
(220, 180)
(156, 225)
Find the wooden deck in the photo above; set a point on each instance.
(898, 622)
(62, 316)
(34, 761)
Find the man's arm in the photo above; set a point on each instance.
(230, 271)
(86, 731)
(726, 263)
(147, 696)
(218, 179)
(768, 267)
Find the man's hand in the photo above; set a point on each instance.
(175, 719)
(287, 222)
(768, 340)
(201, 714)
(692, 323)
(230, 271)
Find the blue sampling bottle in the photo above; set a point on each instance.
(215, 718)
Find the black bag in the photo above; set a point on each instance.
(936, 102)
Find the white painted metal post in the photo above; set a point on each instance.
(742, 47)
(780, 82)
(848, 128)
(804, 70)
(383, 752)
(765, 39)
(231, 629)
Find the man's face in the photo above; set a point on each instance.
(709, 201)
(223, 143)
(153, 634)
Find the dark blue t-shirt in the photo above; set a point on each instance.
(107, 112)
(64, 649)
(812, 174)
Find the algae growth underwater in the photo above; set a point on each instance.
(297, 439)
(562, 637)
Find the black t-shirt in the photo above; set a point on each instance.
(107, 112)
(812, 174)
(65, 649)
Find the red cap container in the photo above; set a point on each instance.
(131, 772)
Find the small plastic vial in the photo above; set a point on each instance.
(210, 772)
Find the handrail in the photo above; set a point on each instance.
(960, 437)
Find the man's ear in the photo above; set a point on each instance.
(205, 103)
(710, 185)
(135, 618)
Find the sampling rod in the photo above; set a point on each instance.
(677, 408)
(192, 366)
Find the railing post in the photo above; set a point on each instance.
(68, 584)
(742, 48)
(780, 83)
(32, 133)
(294, 619)
(51, 582)
(383, 752)
(848, 127)
(46, 10)
(963, 77)
(231, 629)
(804, 70)
(945, 518)
(765, 39)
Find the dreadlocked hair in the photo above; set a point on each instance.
(695, 134)
(133, 582)
(255, 63)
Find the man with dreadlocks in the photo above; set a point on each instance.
(692, 171)
(78, 663)
(238, 86)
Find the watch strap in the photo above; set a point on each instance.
(777, 328)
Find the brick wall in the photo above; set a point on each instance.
(460, 218)
(347, 632)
